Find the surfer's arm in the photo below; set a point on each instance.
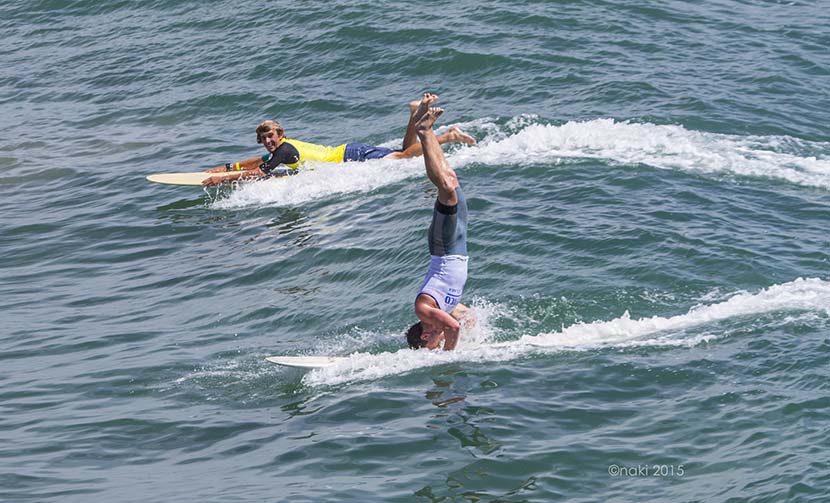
(464, 316)
(235, 175)
(246, 165)
(434, 317)
(450, 340)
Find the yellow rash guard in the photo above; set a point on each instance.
(321, 153)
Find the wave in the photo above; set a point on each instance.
(661, 146)
(321, 180)
(525, 140)
(810, 295)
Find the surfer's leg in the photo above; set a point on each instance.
(454, 135)
(416, 110)
(438, 169)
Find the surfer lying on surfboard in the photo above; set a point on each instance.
(286, 154)
(437, 304)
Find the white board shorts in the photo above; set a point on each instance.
(445, 280)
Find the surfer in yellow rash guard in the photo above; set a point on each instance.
(286, 154)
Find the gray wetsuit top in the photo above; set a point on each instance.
(447, 272)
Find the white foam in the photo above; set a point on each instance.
(667, 147)
(320, 180)
(524, 140)
(801, 295)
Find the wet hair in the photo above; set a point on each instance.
(413, 336)
(266, 126)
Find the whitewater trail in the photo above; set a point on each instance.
(800, 295)
(524, 140)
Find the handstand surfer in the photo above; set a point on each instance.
(437, 303)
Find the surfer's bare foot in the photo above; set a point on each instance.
(456, 135)
(426, 120)
(418, 108)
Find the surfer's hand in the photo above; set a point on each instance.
(450, 339)
(210, 181)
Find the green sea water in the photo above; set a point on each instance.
(649, 203)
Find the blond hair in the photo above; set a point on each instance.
(267, 126)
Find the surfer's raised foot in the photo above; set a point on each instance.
(417, 108)
(426, 121)
(456, 135)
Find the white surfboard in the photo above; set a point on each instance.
(194, 179)
(189, 179)
(306, 362)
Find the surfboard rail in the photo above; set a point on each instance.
(306, 362)
(193, 179)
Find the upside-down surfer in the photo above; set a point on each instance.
(286, 154)
(437, 304)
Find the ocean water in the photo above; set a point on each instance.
(649, 205)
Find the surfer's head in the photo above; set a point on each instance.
(413, 336)
(266, 127)
(428, 337)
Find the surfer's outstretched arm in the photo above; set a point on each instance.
(233, 176)
(246, 165)
(249, 168)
